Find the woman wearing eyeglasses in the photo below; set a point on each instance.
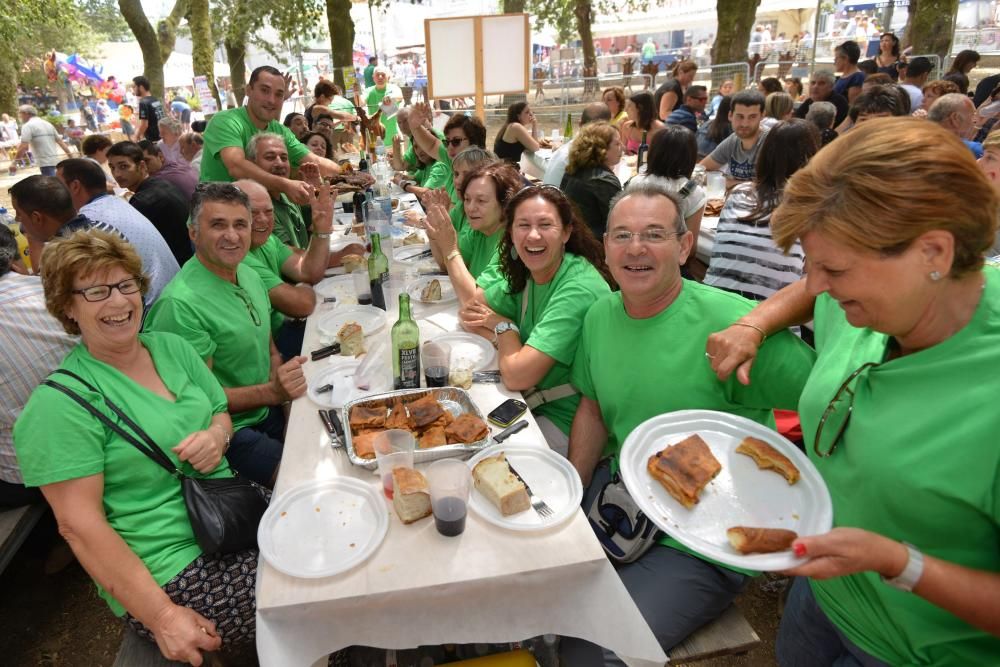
(553, 269)
(122, 514)
(898, 413)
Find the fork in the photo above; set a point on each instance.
(537, 503)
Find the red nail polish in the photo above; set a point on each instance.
(799, 549)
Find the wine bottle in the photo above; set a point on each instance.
(640, 158)
(378, 271)
(568, 130)
(405, 348)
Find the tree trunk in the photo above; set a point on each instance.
(236, 53)
(513, 6)
(584, 15)
(8, 84)
(152, 60)
(930, 26)
(338, 19)
(166, 29)
(735, 20)
(202, 57)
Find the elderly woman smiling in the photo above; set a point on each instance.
(898, 412)
(123, 515)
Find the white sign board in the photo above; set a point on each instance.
(505, 62)
(451, 61)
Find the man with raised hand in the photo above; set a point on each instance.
(229, 131)
(221, 307)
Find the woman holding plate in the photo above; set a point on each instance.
(553, 269)
(898, 412)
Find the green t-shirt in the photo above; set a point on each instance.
(225, 322)
(232, 127)
(374, 97)
(478, 250)
(57, 440)
(918, 463)
(410, 155)
(289, 223)
(663, 358)
(369, 76)
(552, 322)
(341, 103)
(267, 261)
(434, 175)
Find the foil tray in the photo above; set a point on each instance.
(454, 399)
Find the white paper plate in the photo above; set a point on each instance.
(370, 318)
(464, 345)
(340, 373)
(344, 241)
(550, 476)
(447, 290)
(319, 529)
(408, 254)
(339, 286)
(740, 495)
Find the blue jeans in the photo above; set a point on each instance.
(47, 171)
(255, 451)
(807, 638)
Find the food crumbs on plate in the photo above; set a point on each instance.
(317, 509)
(352, 545)
(795, 515)
(284, 513)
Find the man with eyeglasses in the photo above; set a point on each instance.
(267, 151)
(653, 332)
(691, 113)
(221, 308)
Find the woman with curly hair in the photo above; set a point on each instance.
(590, 182)
(553, 270)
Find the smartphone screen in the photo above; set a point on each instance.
(507, 412)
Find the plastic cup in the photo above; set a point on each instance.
(362, 286)
(715, 185)
(449, 485)
(436, 359)
(393, 449)
(460, 373)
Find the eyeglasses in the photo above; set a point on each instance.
(837, 415)
(250, 307)
(455, 142)
(654, 236)
(101, 292)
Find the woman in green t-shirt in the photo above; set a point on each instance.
(552, 270)
(466, 252)
(899, 412)
(122, 514)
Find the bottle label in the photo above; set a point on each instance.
(378, 294)
(409, 368)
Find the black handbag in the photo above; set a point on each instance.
(224, 512)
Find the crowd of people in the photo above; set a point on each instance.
(183, 306)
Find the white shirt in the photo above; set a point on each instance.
(42, 137)
(556, 167)
(157, 261)
(916, 95)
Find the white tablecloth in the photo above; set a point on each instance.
(706, 238)
(489, 585)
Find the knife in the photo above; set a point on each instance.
(510, 430)
(490, 377)
(338, 427)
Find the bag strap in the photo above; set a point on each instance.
(148, 447)
(535, 397)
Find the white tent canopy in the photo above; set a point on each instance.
(123, 60)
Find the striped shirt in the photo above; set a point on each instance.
(744, 257)
(34, 344)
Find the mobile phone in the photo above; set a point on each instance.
(507, 412)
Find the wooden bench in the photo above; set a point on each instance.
(15, 526)
(730, 634)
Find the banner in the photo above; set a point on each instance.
(205, 97)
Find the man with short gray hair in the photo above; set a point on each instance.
(821, 90)
(676, 590)
(955, 113)
(171, 130)
(268, 152)
(41, 138)
(220, 306)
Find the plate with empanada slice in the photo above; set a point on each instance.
(432, 291)
(697, 474)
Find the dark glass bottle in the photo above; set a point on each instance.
(378, 271)
(641, 154)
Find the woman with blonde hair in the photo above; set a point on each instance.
(614, 97)
(898, 410)
(589, 181)
(777, 107)
(670, 94)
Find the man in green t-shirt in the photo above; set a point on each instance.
(386, 96)
(289, 273)
(267, 152)
(370, 72)
(228, 132)
(653, 332)
(221, 308)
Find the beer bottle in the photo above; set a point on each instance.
(405, 348)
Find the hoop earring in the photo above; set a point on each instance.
(935, 276)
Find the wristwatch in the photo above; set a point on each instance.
(324, 235)
(910, 575)
(503, 327)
